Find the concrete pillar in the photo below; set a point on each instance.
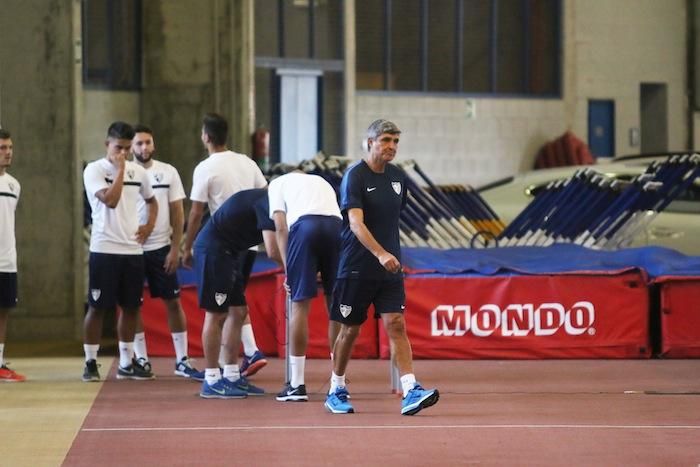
(352, 138)
(38, 96)
(198, 58)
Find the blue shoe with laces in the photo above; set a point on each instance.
(418, 399)
(337, 402)
(242, 384)
(253, 364)
(185, 369)
(221, 390)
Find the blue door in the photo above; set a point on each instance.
(601, 127)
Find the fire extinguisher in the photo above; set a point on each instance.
(261, 147)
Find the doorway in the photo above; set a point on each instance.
(601, 127)
(653, 115)
(298, 114)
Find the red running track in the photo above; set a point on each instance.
(541, 412)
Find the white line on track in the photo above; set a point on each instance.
(400, 427)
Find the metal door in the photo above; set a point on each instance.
(601, 127)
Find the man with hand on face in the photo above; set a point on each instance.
(114, 187)
(161, 250)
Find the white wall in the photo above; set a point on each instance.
(613, 47)
(451, 148)
(610, 48)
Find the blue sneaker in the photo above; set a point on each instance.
(221, 390)
(418, 399)
(253, 364)
(242, 384)
(338, 402)
(185, 369)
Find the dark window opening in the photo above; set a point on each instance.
(111, 39)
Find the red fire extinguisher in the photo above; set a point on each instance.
(261, 147)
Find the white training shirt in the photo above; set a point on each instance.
(168, 188)
(114, 230)
(222, 175)
(9, 196)
(301, 194)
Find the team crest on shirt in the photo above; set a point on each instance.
(397, 187)
(220, 298)
(158, 177)
(95, 293)
(345, 310)
(130, 174)
(11, 186)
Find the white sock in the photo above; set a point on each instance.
(296, 370)
(2, 354)
(180, 345)
(91, 351)
(336, 382)
(212, 375)
(248, 340)
(126, 353)
(140, 345)
(232, 372)
(407, 382)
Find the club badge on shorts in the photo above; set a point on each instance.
(220, 298)
(95, 294)
(345, 310)
(397, 187)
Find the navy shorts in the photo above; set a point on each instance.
(352, 298)
(314, 245)
(8, 289)
(160, 283)
(115, 280)
(222, 276)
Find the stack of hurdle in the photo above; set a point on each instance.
(441, 217)
(450, 216)
(595, 211)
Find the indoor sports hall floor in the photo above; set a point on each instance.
(536, 412)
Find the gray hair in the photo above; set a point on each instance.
(381, 126)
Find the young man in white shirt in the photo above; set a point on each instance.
(9, 196)
(114, 186)
(307, 220)
(161, 250)
(215, 179)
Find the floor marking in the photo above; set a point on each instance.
(398, 427)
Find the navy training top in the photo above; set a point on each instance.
(381, 196)
(239, 222)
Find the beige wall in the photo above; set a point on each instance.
(37, 78)
(615, 46)
(196, 60)
(99, 110)
(610, 48)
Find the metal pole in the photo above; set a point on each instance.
(394, 377)
(287, 348)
